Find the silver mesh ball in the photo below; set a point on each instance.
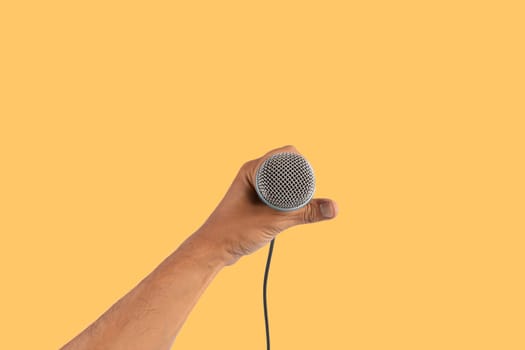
(285, 181)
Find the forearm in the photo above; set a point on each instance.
(151, 314)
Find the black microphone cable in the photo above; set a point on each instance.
(265, 302)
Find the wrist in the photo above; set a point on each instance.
(202, 247)
(215, 245)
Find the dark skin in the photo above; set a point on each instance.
(151, 314)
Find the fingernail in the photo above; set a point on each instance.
(326, 210)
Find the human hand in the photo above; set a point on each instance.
(242, 223)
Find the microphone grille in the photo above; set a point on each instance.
(285, 181)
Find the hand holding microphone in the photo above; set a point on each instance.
(268, 195)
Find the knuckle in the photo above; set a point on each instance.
(246, 165)
(309, 215)
(247, 170)
(291, 148)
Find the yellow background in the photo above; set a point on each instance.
(123, 123)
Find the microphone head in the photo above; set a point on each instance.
(285, 181)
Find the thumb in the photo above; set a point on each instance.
(317, 210)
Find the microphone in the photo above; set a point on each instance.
(285, 181)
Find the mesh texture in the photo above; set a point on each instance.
(285, 181)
